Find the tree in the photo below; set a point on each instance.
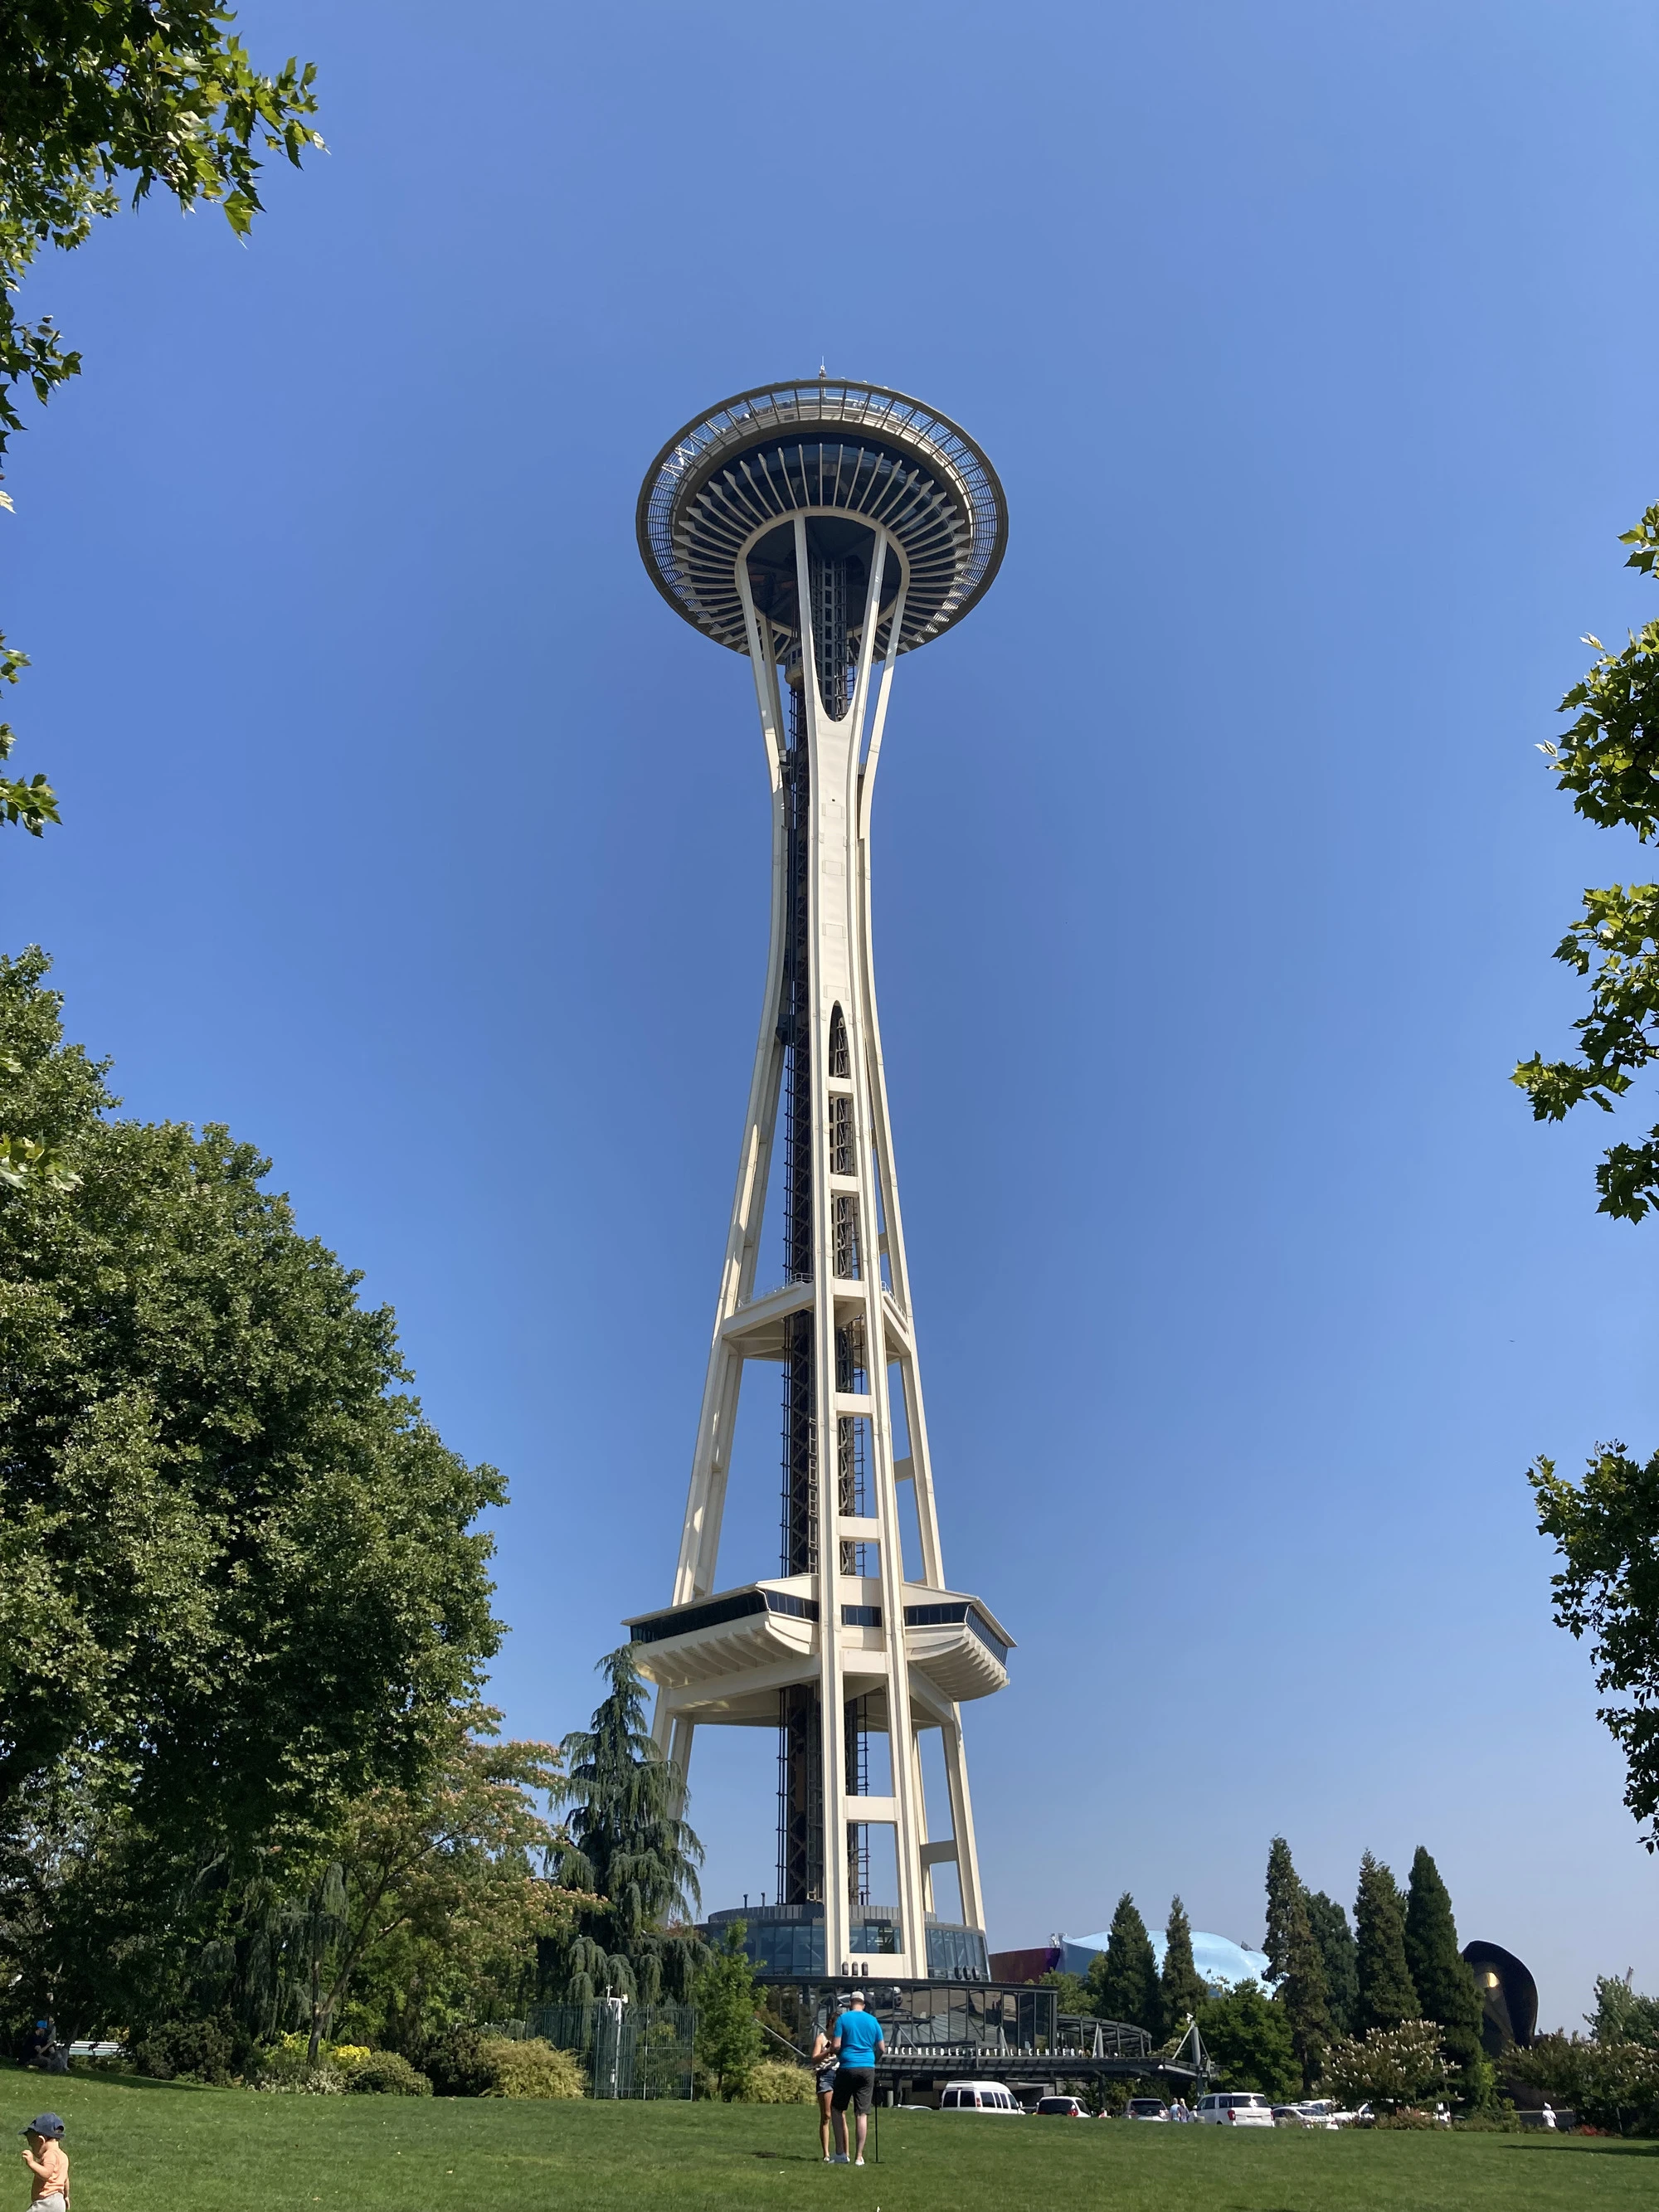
(1608, 760)
(239, 1575)
(1446, 1987)
(1250, 2040)
(1334, 1937)
(1123, 1979)
(1391, 2066)
(1607, 1529)
(1297, 1964)
(1181, 1988)
(437, 1901)
(1071, 1990)
(627, 1846)
(99, 94)
(1622, 2015)
(728, 2033)
(1385, 1996)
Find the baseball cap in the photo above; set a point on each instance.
(43, 2123)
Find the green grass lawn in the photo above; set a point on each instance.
(156, 2147)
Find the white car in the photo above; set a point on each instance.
(1058, 2108)
(1236, 2108)
(979, 2097)
(1312, 2112)
(1147, 2108)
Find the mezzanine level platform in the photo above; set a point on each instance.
(727, 1657)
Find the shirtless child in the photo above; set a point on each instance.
(48, 2167)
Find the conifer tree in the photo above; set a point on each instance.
(626, 1846)
(1123, 1980)
(1181, 1988)
(1386, 1995)
(1446, 1988)
(1296, 1960)
(1334, 1937)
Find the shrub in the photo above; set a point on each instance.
(347, 2057)
(454, 2064)
(287, 2072)
(776, 2081)
(1409, 2116)
(530, 2069)
(385, 2073)
(185, 2049)
(1612, 2085)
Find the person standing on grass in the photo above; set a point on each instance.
(859, 2040)
(48, 2165)
(823, 2081)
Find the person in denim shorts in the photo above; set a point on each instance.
(823, 2081)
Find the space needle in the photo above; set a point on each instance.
(823, 529)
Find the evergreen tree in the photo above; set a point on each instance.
(728, 2033)
(1297, 1963)
(627, 1847)
(1446, 1988)
(1123, 1980)
(1385, 1991)
(1334, 1937)
(1181, 1988)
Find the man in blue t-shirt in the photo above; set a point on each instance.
(858, 2038)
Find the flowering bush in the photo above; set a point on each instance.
(1390, 2065)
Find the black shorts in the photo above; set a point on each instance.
(854, 2085)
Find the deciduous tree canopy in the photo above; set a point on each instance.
(239, 1574)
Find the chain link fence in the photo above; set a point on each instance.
(626, 2049)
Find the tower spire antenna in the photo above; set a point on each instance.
(824, 534)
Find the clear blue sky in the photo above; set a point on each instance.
(409, 832)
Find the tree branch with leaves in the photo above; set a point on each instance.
(98, 96)
(1606, 1527)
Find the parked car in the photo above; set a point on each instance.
(1146, 2108)
(1236, 2108)
(1311, 2112)
(1059, 2108)
(979, 2097)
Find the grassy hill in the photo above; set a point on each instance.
(155, 2147)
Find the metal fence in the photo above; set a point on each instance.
(626, 2049)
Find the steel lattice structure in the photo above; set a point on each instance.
(824, 528)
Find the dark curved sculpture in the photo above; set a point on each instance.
(1509, 1997)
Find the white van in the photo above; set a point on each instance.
(978, 2097)
(1236, 2108)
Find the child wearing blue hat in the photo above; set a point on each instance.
(47, 2162)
